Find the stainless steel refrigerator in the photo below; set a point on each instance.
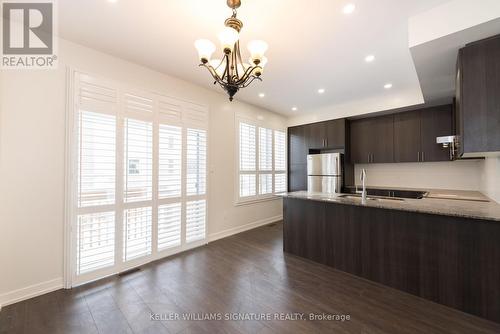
(324, 173)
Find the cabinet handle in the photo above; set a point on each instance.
(423, 156)
(418, 156)
(368, 157)
(373, 158)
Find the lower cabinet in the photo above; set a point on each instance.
(449, 260)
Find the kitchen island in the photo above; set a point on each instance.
(447, 251)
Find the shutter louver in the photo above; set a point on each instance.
(247, 147)
(247, 185)
(265, 149)
(279, 151)
(95, 241)
(170, 110)
(93, 96)
(137, 233)
(170, 161)
(195, 115)
(169, 225)
(195, 220)
(138, 160)
(280, 183)
(96, 159)
(135, 103)
(265, 184)
(196, 162)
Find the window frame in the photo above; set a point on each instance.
(238, 200)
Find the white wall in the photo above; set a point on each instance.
(457, 175)
(490, 185)
(449, 18)
(32, 139)
(406, 98)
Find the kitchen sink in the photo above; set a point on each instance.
(388, 193)
(371, 198)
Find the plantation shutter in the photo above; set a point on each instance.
(247, 158)
(279, 161)
(140, 177)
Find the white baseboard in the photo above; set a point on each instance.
(30, 292)
(55, 284)
(246, 227)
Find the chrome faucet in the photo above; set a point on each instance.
(363, 193)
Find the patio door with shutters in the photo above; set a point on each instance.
(138, 177)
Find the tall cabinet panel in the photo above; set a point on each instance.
(478, 100)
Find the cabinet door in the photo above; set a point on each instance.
(297, 177)
(297, 145)
(435, 122)
(360, 140)
(316, 136)
(335, 133)
(480, 100)
(407, 142)
(381, 132)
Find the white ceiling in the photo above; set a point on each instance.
(312, 44)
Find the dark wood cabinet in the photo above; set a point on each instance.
(360, 141)
(372, 140)
(449, 260)
(478, 98)
(312, 137)
(407, 137)
(415, 134)
(297, 177)
(335, 134)
(435, 122)
(297, 145)
(382, 140)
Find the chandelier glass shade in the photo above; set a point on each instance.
(230, 71)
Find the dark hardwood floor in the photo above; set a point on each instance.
(246, 273)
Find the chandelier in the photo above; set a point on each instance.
(230, 72)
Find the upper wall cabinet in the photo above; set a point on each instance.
(415, 134)
(372, 140)
(317, 137)
(478, 97)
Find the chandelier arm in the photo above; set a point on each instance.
(250, 81)
(212, 71)
(247, 74)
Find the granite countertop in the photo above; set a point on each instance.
(457, 203)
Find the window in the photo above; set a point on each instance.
(141, 165)
(262, 161)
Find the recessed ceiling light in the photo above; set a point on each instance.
(261, 95)
(349, 8)
(388, 86)
(321, 90)
(294, 109)
(369, 58)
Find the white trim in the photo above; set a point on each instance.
(30, 291)
(253, 200)
(56, 284)
(235, 230)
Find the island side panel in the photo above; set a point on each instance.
(452, 261)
